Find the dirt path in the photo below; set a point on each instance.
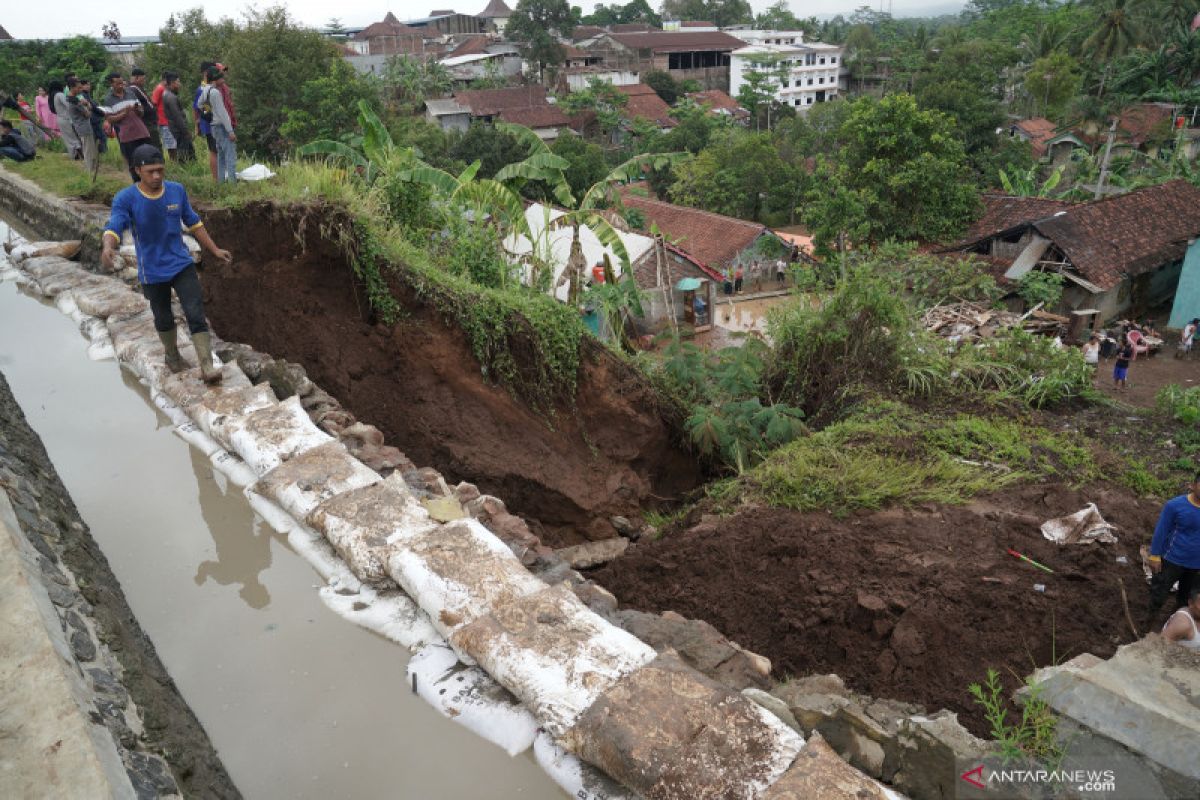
(910, 605)
(1148, 375)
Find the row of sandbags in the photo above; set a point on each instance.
(518, 661)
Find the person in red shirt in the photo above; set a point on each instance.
(227, 94)
(164, 128)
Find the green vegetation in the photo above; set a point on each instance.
(887, 453)
(1181, 404)
(1041, 288)
(1033, 737)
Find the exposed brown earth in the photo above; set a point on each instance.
(913, 605)
(291, 293)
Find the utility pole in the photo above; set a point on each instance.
(1112, 134)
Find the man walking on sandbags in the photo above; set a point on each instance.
(157, 210)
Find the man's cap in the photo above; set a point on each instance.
(145, 154)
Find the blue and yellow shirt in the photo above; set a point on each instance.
(157, 221)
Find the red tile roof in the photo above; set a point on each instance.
(489, 102)
(1127, 234)
(1038, 131)
(679, 41)
(546, 116)
(644, 103)
(388, 26)
(718, 100)
(694, 23)
(586, 32)
(472, 45)
(630, 27)
(496, 9)
(676, 265)
(1144, 122)
(713, 240)
(1002, 212)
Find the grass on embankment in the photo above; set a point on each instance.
(888, 453)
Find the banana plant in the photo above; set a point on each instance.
(377, 147)
(484, 197)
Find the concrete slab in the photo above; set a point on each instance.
(1146, 698)
(48, 745)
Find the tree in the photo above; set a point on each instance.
(26, 65)
(587, 163)
(1051, 82)
(321, 110)
(663, 85)
(335, 28)
(721, 13)
(601, 98)
(538, 25)
(412, 81)
(835, 214)
(908, 168)
(269, 60)
(375, 148)
(779, 17)
(187, 39)
(634, 11)
(110, 32)
(1117, 30)
(489, 144)
(739, 174)
(763, 78)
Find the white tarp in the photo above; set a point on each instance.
(1083, 527)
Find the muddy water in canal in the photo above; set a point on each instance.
(297, 701)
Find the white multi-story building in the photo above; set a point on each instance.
(813, 71)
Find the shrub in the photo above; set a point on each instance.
(1181, 404)
(1037, 287)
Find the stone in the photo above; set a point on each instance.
(286, 379)
(60, 595)
(466, 492)
(367, 434)
(153, 771)
(82, 646)
(254, 364)
(444, 509)
(593, 554)
(773, 704)
(429, 480)
(1144, 698)
(596, 597)
(699, 644)
(623, 526)
(818, 772)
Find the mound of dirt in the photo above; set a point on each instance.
(913, 605)
(290, 293)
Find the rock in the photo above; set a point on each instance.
(381, 459)
(466, 492)
(907, 640)
(367, 434)
(700, 645)
(484, 507)
(592, 554)
(513, 531)
(429, 480)
(773, 704)
(596, 597)
(82, 646)
(286, 379)
(623, 526)
(818, 772)
(444, 509)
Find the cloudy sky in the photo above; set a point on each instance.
(144, 17)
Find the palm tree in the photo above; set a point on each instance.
(1048, 37)
(588, 211)
(377, 147)
(1117, 32)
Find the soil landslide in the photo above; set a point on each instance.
(912, 605)
(291, 293)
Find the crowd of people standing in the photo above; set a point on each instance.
(134, 116)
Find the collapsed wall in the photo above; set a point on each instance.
(291, 293)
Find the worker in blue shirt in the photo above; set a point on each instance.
(1175, 549)
(157, 210)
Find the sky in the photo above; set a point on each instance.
(145, 17)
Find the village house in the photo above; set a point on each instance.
(702, 56)
(1119, 256)
(495, 16)
(812, 71)
(480, 56)
(521, 105)
(644, 103)
(719, 104)
(1046, 140)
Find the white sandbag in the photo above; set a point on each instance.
(65, 303)
(309, 478)
(109, 298)
(168, 407)
(215, 411)
(45, 266)
(470, 697)
(553, 653)
(317, 552)
(101, 351)
(8, 273)
(682, 734)
(233, 468)
(28, 250)
(364, 524)
(390, 613)
(459, 572)
(94, 329)
(255, 172)
(576, 778)
(193, 247)
(1083, 527)
(269, 436)
(67, 281)
(279, 520)
(188, 388)
(197, 438)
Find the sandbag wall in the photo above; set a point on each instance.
(521, 662)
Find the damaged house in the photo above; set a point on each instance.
(1121, 256)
